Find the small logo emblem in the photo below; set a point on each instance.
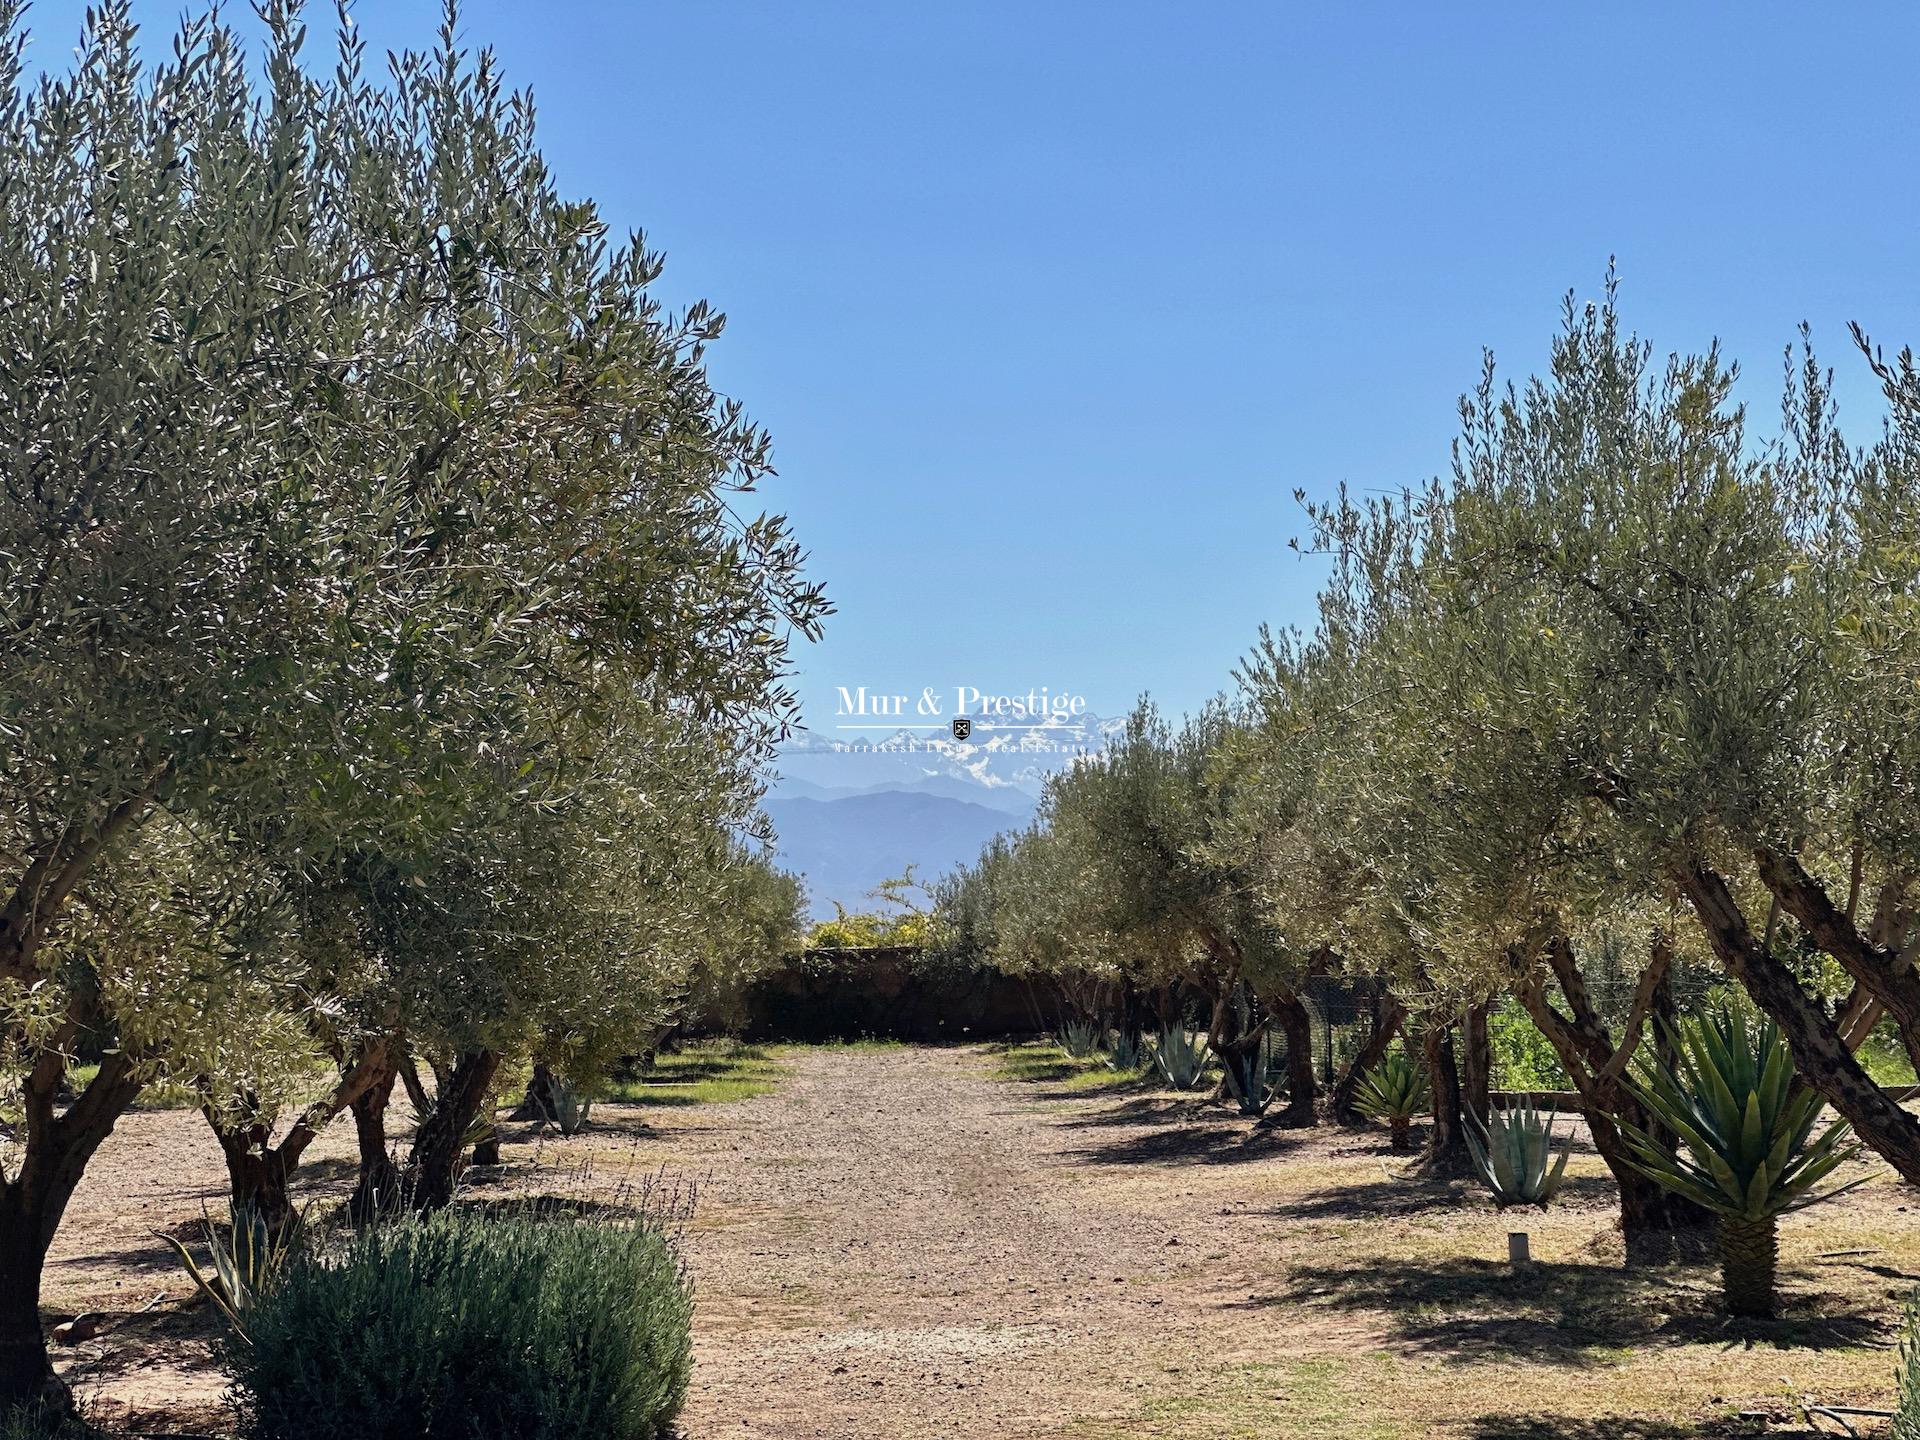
(962, 727)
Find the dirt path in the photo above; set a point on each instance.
(894, 1243)
(897, 1244)
(900, 1245)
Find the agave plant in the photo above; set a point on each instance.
(1080, 1038)
(1750, 1152)
(480, 1134)
(561, 1105)
(1395, 1091)
(1514, 1157)
(1180, 1056)
(570, 1108)
(1250, 1079)
(1127, 1052)
(246, 1260)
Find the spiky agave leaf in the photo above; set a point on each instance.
(247, 1260)
(1180, 1056)
(1127, 1052)
(1080, 1038)
(1729, 1096)
(1247, 1078)
(1513, 1154)
(1395, 1089)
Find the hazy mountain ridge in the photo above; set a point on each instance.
(845, 847)
(850, 812)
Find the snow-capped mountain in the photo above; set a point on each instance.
(996, 756)
(855, 807)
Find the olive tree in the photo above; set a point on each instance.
(1619, 671)
(338, 449)
(1127, 881)
(1299, 834)
(1700, 647)
(1422, 740)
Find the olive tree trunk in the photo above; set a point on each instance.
(256, 1172)
(1446, 1150)
(1657, 1227)
(259, 1171)
(53, 1157)
(377, 1191)
(433, 1165)
(1821, 1053)
(1296, 1025)
(1476, 1062)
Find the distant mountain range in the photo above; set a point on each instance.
(852, 811)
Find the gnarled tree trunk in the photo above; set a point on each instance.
(260, 1172)
(1296, 1025)
(1657, 1227)
(53, 1151)
(1446, 1150)
(377, 1191)
(1820, 1051)
(541, 1101)
(256, 1173)
(54, 1156)
(433, 1165)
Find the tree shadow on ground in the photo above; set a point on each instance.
(147, 1258)
(659, 1094)
(1153, 1108)
(327, 1170)
(1539, 1426)
(1566, 1313)
(610, 1117)
(1906, 1278)
(1199, 1142)
(1416, 1192)
(688, 1067)
(1049, 1073)
(187, 1324)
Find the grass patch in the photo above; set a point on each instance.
(1884, 1058)
(1042, 1062)
(711, 1072)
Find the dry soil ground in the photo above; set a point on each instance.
(903, 1242)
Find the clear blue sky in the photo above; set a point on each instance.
(1051, 307)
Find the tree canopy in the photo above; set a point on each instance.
(390, 653)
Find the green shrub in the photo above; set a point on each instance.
(472, 1326)
(1884, 1058)
(1523, 1058)
(34, 1422)
(1906, 1415)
